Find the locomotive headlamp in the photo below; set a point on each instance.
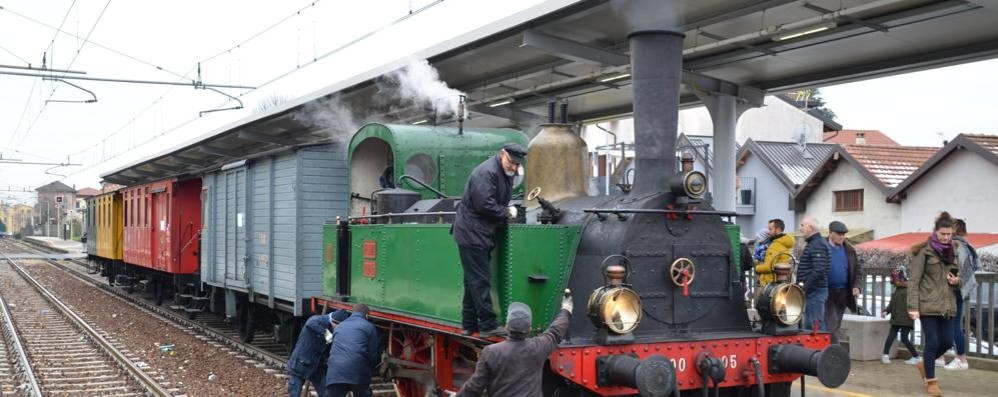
(618, 309)
(782, 302)
(615, 306)
(691, 184)
(695, 184)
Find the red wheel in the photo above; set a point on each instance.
(411, 353)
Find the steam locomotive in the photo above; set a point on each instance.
(655, 275)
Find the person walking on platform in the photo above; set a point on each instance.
(900, 321)
(931, 301)
(845, 278)
(969, 264)
(483, 209)
(812, 272)
(306, 361)
(354, 355)
(514, 367)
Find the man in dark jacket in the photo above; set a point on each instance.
(515, 367)
(483, 209)
(812, 272)
(354, 355)
(845, 278)
(306, 359)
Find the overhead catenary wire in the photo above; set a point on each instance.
(26, 62)
(76, 55)
(410, 14)
(31, 91)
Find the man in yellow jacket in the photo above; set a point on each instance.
(778, 252)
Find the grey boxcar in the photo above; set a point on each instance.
(262, 233)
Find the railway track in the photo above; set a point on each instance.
(263, 352)
(57, 351)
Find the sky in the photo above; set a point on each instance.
(921, 108)
(287, 49)
(290, 49)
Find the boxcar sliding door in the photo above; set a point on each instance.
(234, 210)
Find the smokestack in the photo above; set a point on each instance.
(656, 70)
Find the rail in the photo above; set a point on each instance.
(151, 385)
(22, 357)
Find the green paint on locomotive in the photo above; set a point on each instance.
(439, 156)
(735, 234)
(415, 269)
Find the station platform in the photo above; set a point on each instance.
(872, 378)
(67, 248)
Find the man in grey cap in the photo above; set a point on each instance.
(845, 278)
(515, 366)
(483, 209)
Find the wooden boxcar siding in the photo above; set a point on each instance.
(285, 200)
(322, 197)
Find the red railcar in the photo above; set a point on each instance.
(162, 228)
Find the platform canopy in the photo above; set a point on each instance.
(579, 53)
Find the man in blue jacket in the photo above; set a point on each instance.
(354, 355)
(483, 209)
(812, 272)
(306, 359)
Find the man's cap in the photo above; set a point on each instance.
(518, 319)
(338, 316)
(516, 152)
(838, 227)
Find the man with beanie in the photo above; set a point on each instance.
(845, 278)
(306, 359)
(354, 355)
(483, 209)
(514, 367)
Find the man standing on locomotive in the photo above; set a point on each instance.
(812, 272)
(483, 209)
(514, 367)
(306, 359)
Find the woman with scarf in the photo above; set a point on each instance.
(934, 273)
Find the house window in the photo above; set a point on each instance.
(746, 190)
(849, 200)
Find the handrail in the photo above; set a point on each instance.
(404, 214)
(421, 183)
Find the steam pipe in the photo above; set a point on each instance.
(656, 72)
(460, 115)
(564, 112)
(551, 112)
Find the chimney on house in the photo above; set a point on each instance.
(860, 138)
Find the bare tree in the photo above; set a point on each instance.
(271, 101)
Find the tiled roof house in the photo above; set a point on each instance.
(853, 182)
(961, 178)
